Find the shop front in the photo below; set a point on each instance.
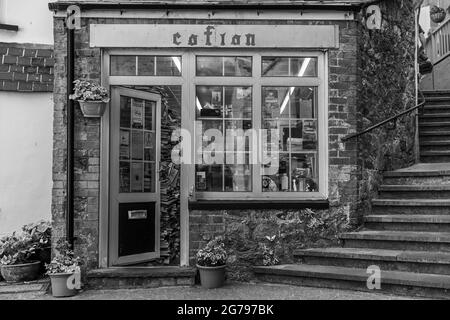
(217, 125)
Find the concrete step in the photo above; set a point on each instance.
(434, 117)
(397, 240)
(406, 222)
(414, 191)
(442, 99)
(435, 93)
(436, 108)
(396, 260)
(411, 206)
(422, 174)
(406, 283)
(441, 126)
(140, 277)
(434, 145)
(435, 156)
(432, 135)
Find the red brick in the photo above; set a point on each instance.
(45, 70)
(15, 68)
(9, 60)
(10, 85)
(31, 69)
(44, 53)
(19, 76)
(50, 62)
(40, 62)
(24, 61)
(30, 53)
(34, 77)
(4, 68)
(25, 86)
(6, 76)
(40, 87)
(47, 78)
(18, 52)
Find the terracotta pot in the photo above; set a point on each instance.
(92, 109)
(21, 272)
(212, 277)
(60, 288)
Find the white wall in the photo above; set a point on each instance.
(26, 143)
(34, 19)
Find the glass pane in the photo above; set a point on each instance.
(304, 175)
(237, 139)
(209, 178)
(209, 101)
(149, 145)
(303, 103)
(238, 66)
(276, 102)
(219, 66)
(123, 65)
(209, 66)
(137, 176)
(277, 135)
(276, 174)
(289, 67)
(168, 66)
(124, 174)
(238, 102)
(146, 65)
(238, 178)
(124, 144)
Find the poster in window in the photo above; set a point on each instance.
(148, 177)
(201, 180)
(137, 114)
(216, 98)
(148, 140)
(137, 176)
(124, 152)
(124, 138)
(271, 104)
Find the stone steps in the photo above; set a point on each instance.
(434, 117)
(140, 277)
(435, 156)
(426, 135)
(411, 206)
(412, 191)
(405, 222)
(436, 108)
(393, 260)
(406, 283)
(397, 240)
(436, 177)
(441, 99)
(434, 145)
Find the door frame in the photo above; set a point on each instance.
(115, 259)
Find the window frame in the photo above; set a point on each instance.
(189, 80)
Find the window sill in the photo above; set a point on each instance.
(258, 204)
(9, 27)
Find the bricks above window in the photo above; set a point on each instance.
(26, 68)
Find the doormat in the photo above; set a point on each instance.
(22, 287)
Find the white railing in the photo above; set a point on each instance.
(438, 44)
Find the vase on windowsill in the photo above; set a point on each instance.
(91, 97)
(211, 264)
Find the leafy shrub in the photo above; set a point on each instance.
(65, 261)
(89, 91)
(23, 247)
(213, 254)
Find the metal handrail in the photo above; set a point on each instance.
(354, 135)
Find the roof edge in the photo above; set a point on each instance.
(335, 5)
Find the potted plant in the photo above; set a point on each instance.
(211, 263)
(91, 97)
(41, 234)
(62, 269)
(17, 260)
(437, 14)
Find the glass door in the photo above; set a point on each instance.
(134, 189)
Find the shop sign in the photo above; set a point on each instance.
(213, 36)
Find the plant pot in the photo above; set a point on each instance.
(60, 288)
(21, 272)
(92, 109)
(212, 277)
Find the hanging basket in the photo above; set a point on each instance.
(437, 14)
(92, 109)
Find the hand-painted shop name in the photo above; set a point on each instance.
(210, 36)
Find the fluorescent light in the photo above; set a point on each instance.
(199, 105)
(302, 71)
(177, 62)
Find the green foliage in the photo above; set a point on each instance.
(65, 261)
(22, 247)
(213, 254)
(89, 91)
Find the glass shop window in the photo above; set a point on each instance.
(162, 66)
(285, 117)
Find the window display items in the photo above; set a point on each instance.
(137, 114)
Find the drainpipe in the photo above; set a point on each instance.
(70, 136)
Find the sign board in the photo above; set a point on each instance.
(213, 36)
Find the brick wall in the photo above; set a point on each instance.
(26, 67)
